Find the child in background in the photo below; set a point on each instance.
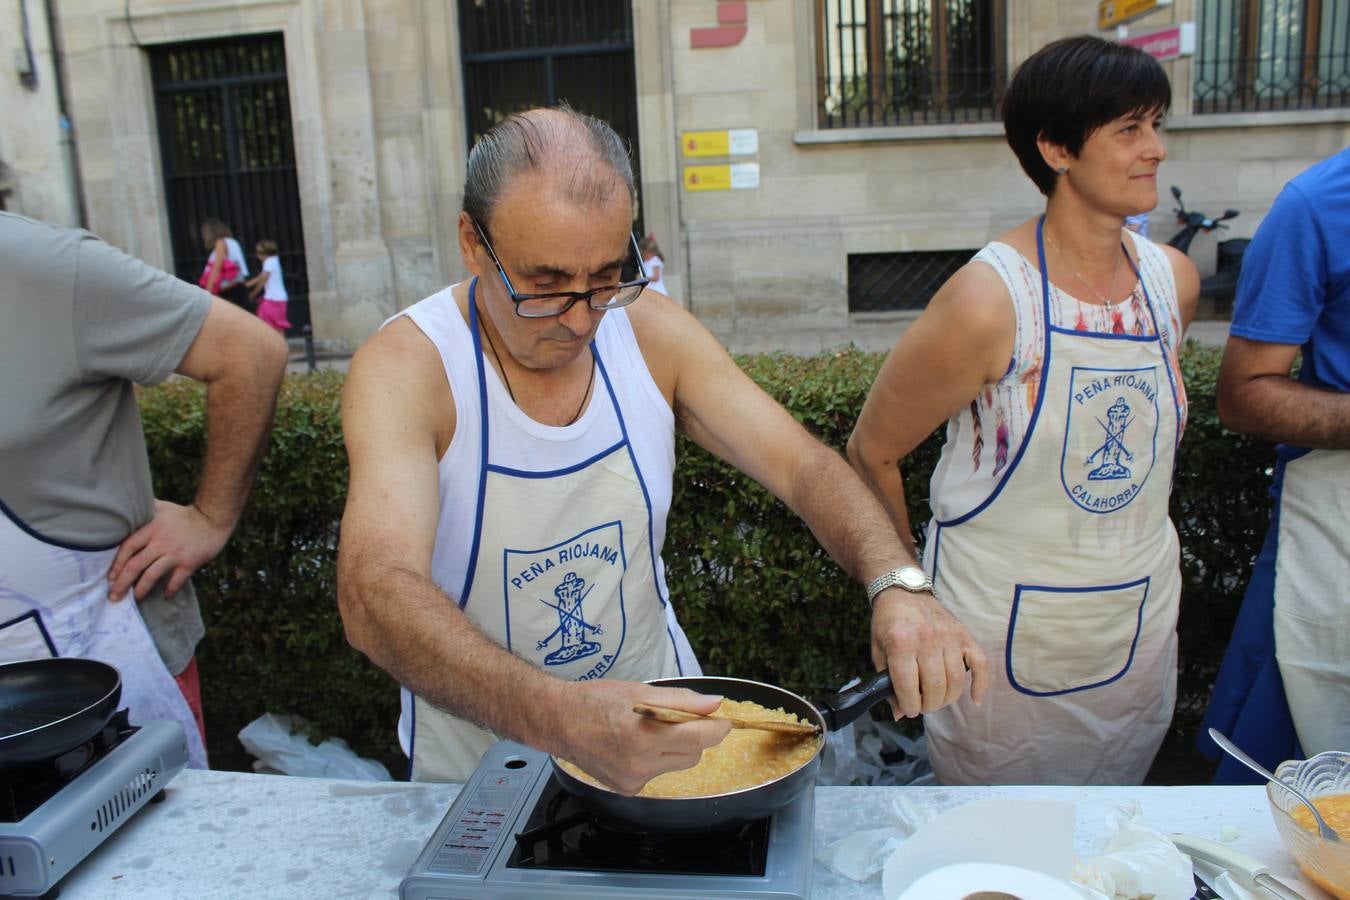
(269, 283)
(652, 262)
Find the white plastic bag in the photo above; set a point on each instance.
(862, 854)
(279, 744)
(1137, 861)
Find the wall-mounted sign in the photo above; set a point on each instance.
(725, 177)
(1165, 43)
(732, 24)
(1111, 13)
(728, 142)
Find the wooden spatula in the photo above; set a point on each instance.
(676, 716)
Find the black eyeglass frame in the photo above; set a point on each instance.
(573, 297)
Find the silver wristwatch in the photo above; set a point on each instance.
(911, 578)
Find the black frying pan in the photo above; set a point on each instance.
(49, 706)
(832, 712)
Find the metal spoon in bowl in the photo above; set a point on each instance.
(1231, 749)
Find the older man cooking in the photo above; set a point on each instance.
(512, 447)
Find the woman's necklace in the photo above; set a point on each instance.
(507, 381)
(1083, 281)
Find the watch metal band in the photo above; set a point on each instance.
(894, 578)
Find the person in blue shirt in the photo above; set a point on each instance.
(1283, 690)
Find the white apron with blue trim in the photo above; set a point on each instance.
(1312, 614)
(561, 575)
(54, 602)
(1068, 576)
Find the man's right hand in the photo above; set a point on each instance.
(609, 741)
(175, 543)
(931, 656)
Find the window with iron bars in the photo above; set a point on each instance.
(1272, 55)
(909, 62)
(895, 282)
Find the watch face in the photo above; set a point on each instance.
(913, 578)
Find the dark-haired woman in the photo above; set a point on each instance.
(1052, 357)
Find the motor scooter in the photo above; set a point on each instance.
(1222, 285)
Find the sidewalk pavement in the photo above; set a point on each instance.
(1209, 332)
(299, 365)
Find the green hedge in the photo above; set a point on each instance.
(757, 596)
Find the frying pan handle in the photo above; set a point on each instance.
(844, 707)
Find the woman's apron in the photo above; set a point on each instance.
(54, 602)
(1312, 612)
(562, 575)
(1068, 575)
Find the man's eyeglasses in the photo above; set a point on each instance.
(544, 306)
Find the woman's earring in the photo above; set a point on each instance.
(1063, 170)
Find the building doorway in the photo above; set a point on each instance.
(523, 53)
(224, 115)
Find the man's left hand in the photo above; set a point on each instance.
(176, 542)
(931, 656)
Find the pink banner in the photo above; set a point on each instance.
(1161, 45)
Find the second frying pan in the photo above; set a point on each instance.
(50, 706)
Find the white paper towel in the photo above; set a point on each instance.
(1027, 834)
(966, 880)
(1136, 862)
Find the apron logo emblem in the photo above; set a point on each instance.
(1113, 448)
(1110, 436)
(565, 605)
(572, 625)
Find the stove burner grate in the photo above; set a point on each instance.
(25, 788)
(562, 834)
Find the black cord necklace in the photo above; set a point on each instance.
(590, 382)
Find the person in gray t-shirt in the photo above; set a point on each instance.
(80, 528)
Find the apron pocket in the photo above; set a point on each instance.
(1065, 639)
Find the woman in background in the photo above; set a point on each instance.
(226, 271)
(654, 264)
(1052, 358)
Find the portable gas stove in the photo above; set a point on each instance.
(54, 813)
(513, 832)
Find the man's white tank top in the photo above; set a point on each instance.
(519, 442)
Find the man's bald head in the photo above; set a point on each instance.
(583, 156)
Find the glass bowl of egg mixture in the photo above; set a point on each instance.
(1325, 780)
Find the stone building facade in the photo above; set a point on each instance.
(378, 119)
